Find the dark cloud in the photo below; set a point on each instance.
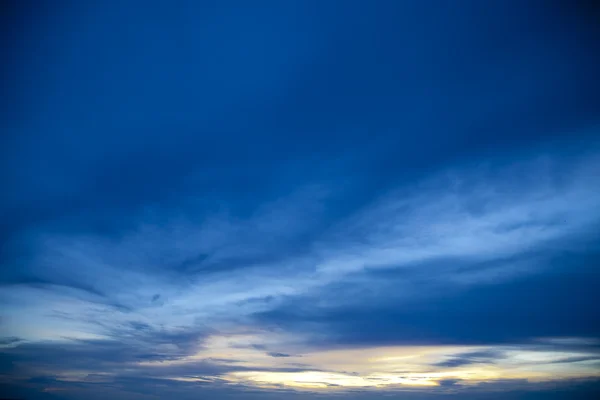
(275, 354)
(456, 362)
(568, 360)
(97, 357)
(60, 284)
(514, 311)
(9, 340)
(184, 341)
(479, 357)
(138, 343)
(448, 382)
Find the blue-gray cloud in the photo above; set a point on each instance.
(276, 354)
(476, 357)
(481, 314)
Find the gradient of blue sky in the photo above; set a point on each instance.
(300, 199)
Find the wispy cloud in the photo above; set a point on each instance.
(155, 296)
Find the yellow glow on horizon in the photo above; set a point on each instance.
(333, 381)
(318, 379)
(374, 367)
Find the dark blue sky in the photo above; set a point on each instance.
(278, 199)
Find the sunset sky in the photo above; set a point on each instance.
(300, 200)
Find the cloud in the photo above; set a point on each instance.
(143, 388)
(481, 314)
(483, 214)
(9, 340)
(275, 354)
(456, 230)
(567, 360)
(372, 280)
(476, 357)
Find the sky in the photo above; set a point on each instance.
(300, 200)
